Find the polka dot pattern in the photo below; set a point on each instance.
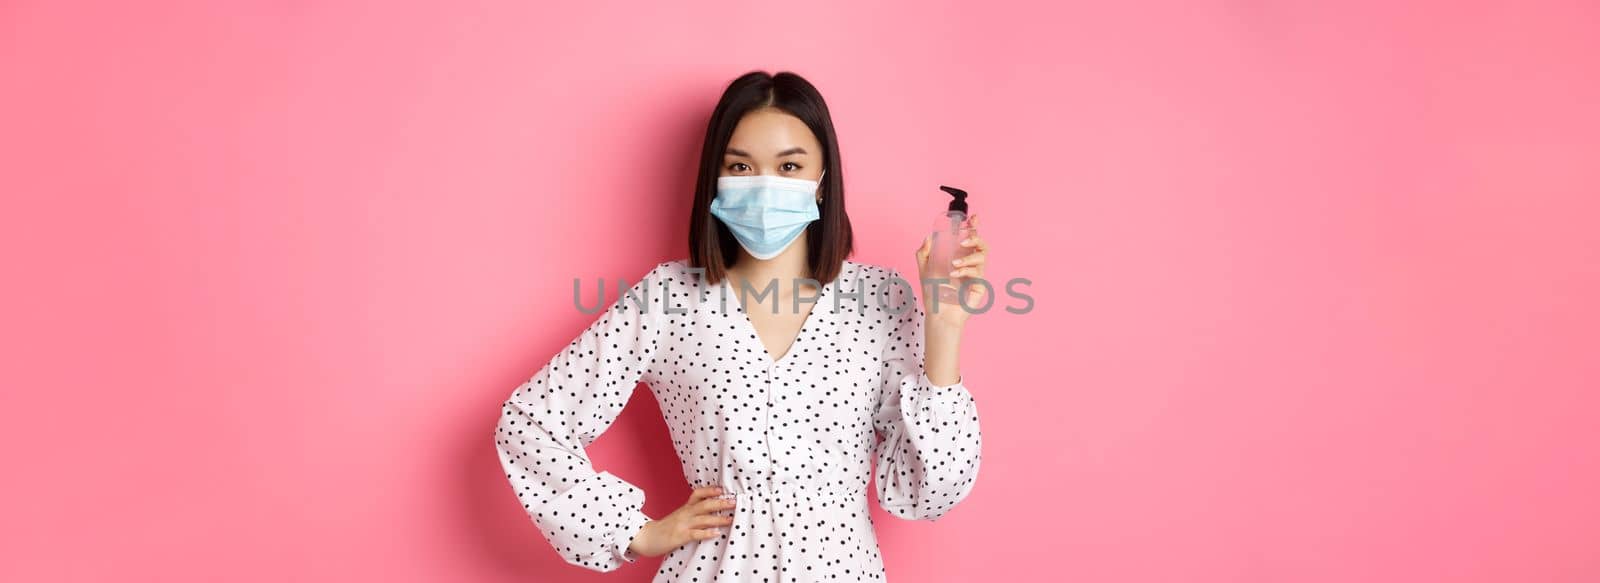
(794, 439)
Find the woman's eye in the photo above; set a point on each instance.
(788, 164)
(737, 166)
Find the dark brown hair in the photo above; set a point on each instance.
(828, 239)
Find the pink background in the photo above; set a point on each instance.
(1316, 283)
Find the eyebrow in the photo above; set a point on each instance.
(788, 152)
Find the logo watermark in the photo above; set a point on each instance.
(640, 295)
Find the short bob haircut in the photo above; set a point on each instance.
(828, 239)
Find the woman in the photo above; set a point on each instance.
(774, 398)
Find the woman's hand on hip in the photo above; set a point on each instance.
(698, 519)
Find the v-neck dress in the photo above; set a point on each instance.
(792, 440)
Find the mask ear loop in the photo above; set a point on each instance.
(819, 182)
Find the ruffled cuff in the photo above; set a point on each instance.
(624, 536)
(593, 522)
(920, 394)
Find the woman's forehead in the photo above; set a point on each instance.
(770, 133)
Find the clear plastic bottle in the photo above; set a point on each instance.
(948, 232)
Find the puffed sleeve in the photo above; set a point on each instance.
(931, 445)
(589, 517)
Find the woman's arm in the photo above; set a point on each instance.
(942, 357)
(945, 323)
(932, 446)
(588, 516)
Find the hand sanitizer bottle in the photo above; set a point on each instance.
(948, 232)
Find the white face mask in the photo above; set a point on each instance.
(766, 213)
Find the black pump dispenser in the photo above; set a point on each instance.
(960, 198)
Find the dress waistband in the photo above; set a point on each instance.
(801, 490)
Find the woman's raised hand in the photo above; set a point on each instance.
(697, 520)
(970, 267)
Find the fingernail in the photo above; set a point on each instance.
(955, 262)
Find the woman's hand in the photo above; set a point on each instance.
(971, 266)
(696, 520)
(944, 322)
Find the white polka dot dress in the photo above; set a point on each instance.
(793, 440)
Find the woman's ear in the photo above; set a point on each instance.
(819, 187)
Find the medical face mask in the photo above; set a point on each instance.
(766, 213)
